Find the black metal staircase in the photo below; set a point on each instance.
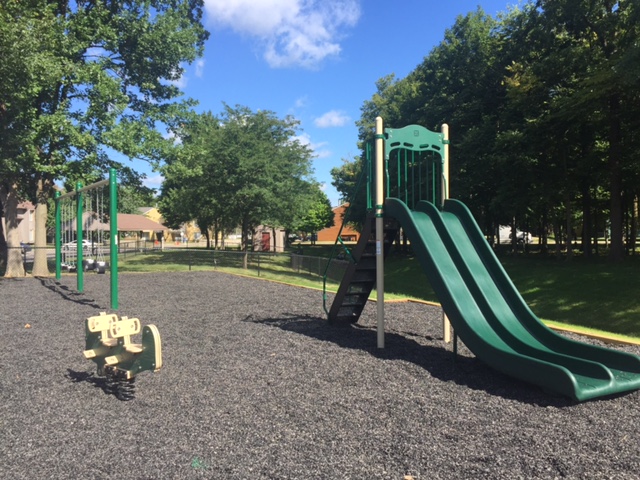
(360, 276)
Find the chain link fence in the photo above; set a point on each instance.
(318, 265)
(147, 255)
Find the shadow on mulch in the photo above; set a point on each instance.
(67, 293)
(440, 363)
(90, 378)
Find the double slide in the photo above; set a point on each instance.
(491, 318)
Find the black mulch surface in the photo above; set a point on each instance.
(256, 385)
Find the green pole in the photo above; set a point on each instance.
(58, 238)
(369, 176)
(113, 242)
(79, 239)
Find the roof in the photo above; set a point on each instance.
(128, 222)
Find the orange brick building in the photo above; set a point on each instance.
(330, 234)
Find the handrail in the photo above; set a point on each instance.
(363, 174)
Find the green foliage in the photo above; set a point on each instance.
(242, 168)
(318, 215)
(348, 180)
(542, 105)
(130, 199)
(80, 78)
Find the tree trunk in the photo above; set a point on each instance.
(587, 224)
(557, 233)
(245, 244)
(9, 199)
(634, 223)
(275, 240)
(3, 241)
(616, 252)
(544, 236)
(40, 267)
(569, 224)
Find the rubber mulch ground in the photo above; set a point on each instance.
(256, 385)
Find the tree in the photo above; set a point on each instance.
(194, 180)
(261, 154)
(459, 83)
(242, 168)
(130, 198)
(26, 66)
(607, 32)
(92, 75)
(319, 214)
(542, 103)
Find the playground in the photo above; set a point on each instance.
(256, 384)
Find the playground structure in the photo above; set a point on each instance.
(485, 309)
(108, 344)
(88, 213)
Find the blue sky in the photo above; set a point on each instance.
(317, 60)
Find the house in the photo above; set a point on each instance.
(331, 234)
(139, 226)
(144, 228)
(265, 240)
(26, 222)
(152, 213)
(188, 232)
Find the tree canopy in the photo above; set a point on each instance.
(81, 78)
(241, 168)
(541, 103)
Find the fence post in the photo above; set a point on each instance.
(79, 239)
(58, 241)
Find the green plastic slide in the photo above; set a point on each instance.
(490, 316)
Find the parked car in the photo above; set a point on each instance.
(73, 246)
(504, 233)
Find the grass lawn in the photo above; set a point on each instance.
(592, 294)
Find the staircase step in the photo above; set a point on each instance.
(360, 277)
(364, 276)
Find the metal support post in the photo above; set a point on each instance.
(113, 241)
(380, 228)
(58, 240)
(79, 239)
(446, 192)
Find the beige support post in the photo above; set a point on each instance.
(379, 195)
(124, 329)
(446, 192)
(97, 335)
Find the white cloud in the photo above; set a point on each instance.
(333, 118)
(153, 182)
(318, 147)
(302, 102)
(293, 32)
(323, 153)
(172, 136)
(199, 68)
(180, 82)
